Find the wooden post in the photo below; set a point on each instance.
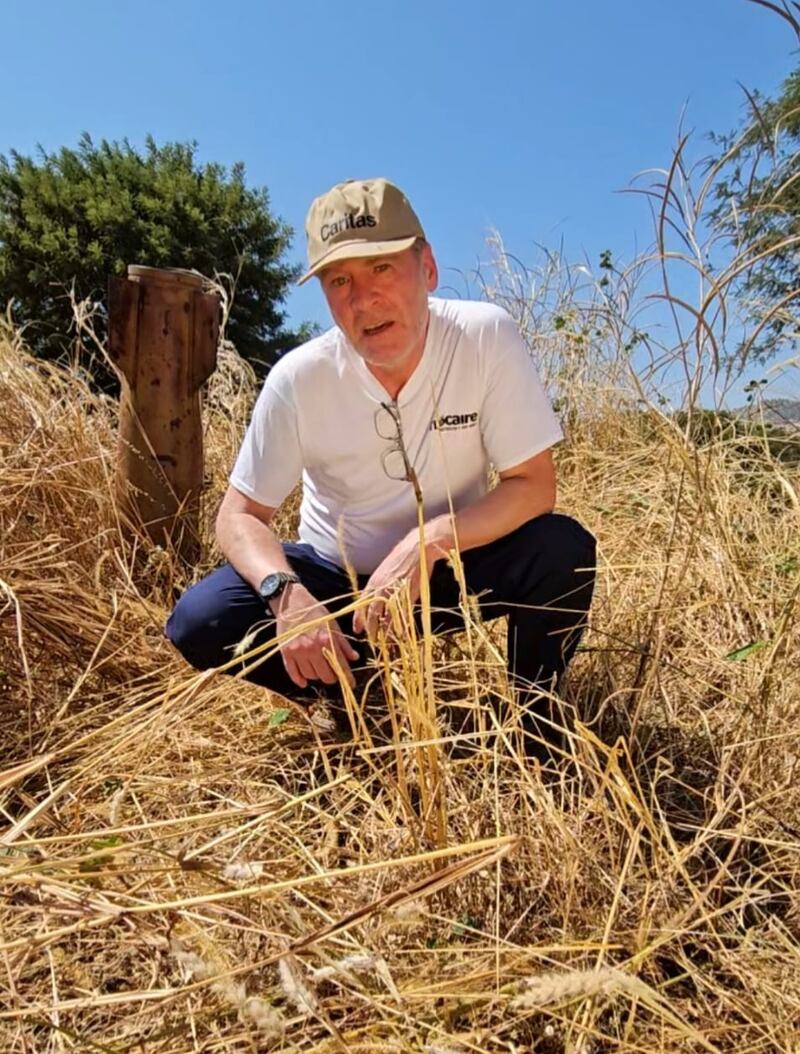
(162, 338)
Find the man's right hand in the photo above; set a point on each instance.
(303, 654)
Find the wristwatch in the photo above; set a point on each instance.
(273, 585)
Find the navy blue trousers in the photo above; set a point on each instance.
(540, 577)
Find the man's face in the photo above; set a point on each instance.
(381, 304)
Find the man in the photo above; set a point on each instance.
(407, 398)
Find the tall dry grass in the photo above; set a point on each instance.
(183, 869)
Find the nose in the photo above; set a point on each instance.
(362, 292)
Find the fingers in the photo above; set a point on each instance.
(334, 658)
(303, 667)
(371, 615)
(311, 664)
(368, 618)
(343, 645)
(323, 671)
(345, 653)
(294, 672)
(305, 660)
(361, 616)
(376, 616)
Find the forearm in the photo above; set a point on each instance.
(511, 503)
(250, 546)
(301, 622)
(524, 492)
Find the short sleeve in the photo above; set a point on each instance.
(517, 420)
(270, 459)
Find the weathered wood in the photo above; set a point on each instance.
(163, 332)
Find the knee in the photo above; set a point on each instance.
(567, 547)
(190, 630)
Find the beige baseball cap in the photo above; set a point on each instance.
(361, 217)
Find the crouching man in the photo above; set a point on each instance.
(407, 397)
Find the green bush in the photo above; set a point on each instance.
(83, 215)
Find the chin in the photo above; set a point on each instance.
(387, 359)
(382, 353)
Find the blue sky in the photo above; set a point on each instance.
(527, 117)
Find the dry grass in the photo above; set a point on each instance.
(179, 872)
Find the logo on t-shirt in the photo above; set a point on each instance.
(346, 223)
(450, 422)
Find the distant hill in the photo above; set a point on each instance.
(783, 413)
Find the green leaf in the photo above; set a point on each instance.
(97, 863)
(277, 717)
(106, 843)
(464, 923)
(740, 654)
(788, 565)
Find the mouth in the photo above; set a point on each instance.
(381, 327)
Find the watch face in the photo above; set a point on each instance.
(270, 586)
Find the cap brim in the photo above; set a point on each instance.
(358, 249)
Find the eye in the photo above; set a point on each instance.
(337, 281)
(381, 267)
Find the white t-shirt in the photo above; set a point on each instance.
(475, 398)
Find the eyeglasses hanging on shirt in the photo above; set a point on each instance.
(394, 459)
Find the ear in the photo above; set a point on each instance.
(429, 268)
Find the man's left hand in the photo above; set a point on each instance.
(402, 565)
